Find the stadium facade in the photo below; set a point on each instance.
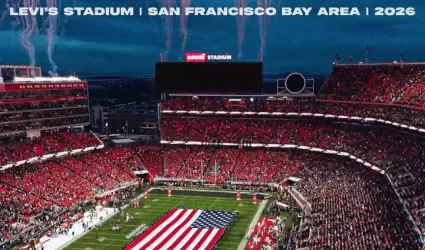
(31, 103)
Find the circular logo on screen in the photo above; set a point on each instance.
(295, 83)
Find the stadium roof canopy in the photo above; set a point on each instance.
(123, 141)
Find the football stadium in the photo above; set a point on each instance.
(304, 167)
(138, 142)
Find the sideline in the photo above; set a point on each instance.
(252, 225)
(104, 220)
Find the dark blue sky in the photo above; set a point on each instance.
(131, 45)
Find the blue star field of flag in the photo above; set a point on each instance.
(213, 219)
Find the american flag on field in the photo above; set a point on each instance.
(184, 229)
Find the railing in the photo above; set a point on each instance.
(98, 139)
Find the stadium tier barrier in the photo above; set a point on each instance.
(49, 156)
(141, 172)
(301, 201)
(282, 146)
(371, 104)
(280, 114)
(122, 186)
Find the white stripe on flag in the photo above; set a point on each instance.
(209, 239)
(181, 231)
(157, 230)
(170, 230)
(198, 238)
(186, 239)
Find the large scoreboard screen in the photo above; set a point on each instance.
(226, 77)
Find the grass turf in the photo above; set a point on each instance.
(155, 206)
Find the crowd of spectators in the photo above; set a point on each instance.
(352, 208)
(221, 164)
(17, 127)
(70, 180)
(47, 143)
(412, 117)
(377, 83)
(15, 117)
(11, 107)
(401, 155)
(31, 189)
(23, 116)
(152, 159)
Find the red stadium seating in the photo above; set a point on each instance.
(46, 144)
(28, 189)
(377, 83)
(352, 208)
(401, 115)
(401, 155)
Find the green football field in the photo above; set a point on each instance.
(154, 207)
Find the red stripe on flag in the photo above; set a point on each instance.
(184, 234)
(157, 235)
(176, 230)
(204, 238)
(215, 239)
(149, 230)
(173, 231)
(186, 246)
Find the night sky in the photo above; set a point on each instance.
(131, 45)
